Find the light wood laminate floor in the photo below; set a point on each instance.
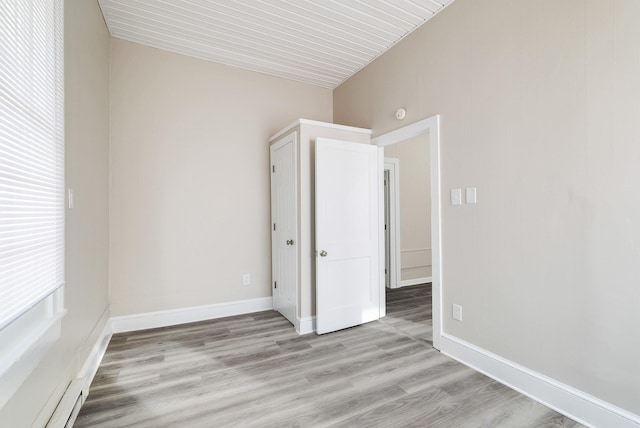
(256, 371)
(409, 311)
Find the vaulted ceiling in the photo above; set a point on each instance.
(321, 42)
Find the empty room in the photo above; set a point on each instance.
(380, 213)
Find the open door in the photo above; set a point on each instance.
(348, 231)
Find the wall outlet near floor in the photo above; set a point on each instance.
(246, 279)
(457, 312)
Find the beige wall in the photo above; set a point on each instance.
(539, 105)
(415, 205)
(190, 177)
(86, 234)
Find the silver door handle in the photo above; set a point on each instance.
(289, 241)
(323, 253)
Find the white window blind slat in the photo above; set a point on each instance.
(31, 154)
(39, 281)
(30, 238)
(34, 154)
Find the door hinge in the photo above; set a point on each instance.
(385, 271)
(273, 168)
(385, 227)
(274, 226)
(275, 284)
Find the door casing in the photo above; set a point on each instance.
(429, 125)
(392, 165)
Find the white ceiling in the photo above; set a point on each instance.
(321, 42)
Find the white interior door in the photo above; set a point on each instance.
(284, 239)
(348, 232)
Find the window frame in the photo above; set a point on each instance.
(29, 337)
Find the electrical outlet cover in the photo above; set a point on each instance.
(457, 312)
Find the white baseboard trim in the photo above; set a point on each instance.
(144, 321)
(90, 366)
(416, 281)
(576, 404)
(305, 325)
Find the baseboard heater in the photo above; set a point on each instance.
(69, 406)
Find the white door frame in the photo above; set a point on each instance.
(430, 125)
(393, 166)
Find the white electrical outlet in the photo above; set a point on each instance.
(246, 279)
(457, 312)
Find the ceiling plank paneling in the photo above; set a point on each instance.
(320, 42)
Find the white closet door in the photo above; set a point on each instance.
(348, 231)
(284, 226)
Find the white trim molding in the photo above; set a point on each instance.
(393, 166)
(125, 323)
(92, 363)
(56, 406)
(69, 406)
(30, 337)
(305, 325)
(578, 405)
(415, 281)
(317, 123)
(429, 125)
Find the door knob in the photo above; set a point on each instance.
(323, 253)
(289, 241)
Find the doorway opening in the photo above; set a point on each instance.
(407, 195)
(391, 222)
(414, 266)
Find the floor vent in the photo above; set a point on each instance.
(69, 406)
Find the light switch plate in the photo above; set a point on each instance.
(456, 196)
(471, 195)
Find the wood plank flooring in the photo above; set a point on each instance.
(256, 371)
(409, 310)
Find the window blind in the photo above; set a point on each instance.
(31, 154)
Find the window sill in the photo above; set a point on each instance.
(27, 341)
